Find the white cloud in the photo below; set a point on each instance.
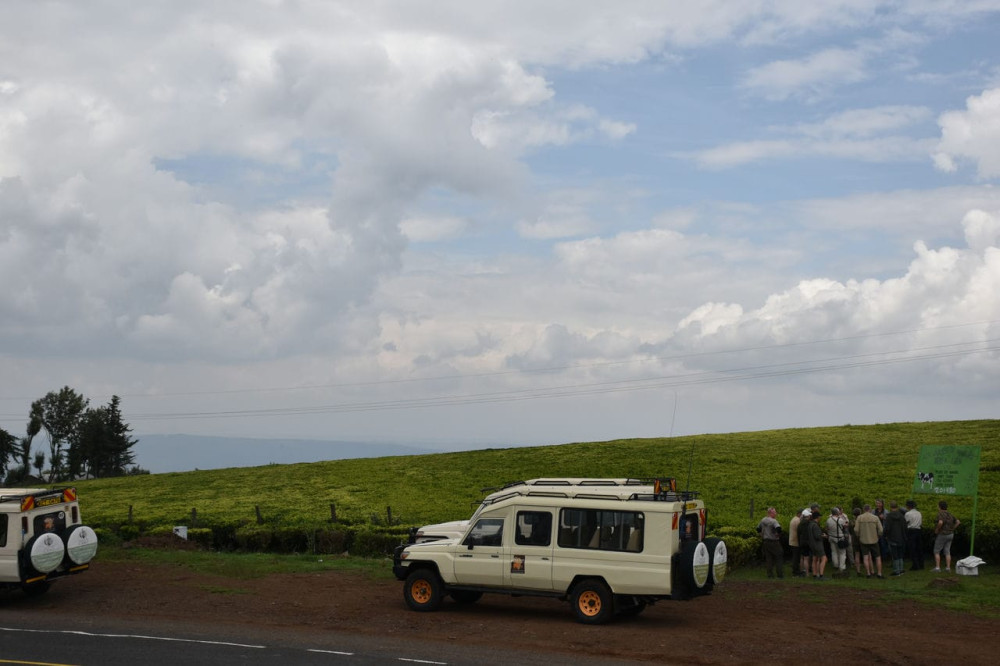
(427, 229)
(972, 134)
(860, 134)
(810, 77)
(123, 239)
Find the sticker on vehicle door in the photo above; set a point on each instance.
(517, 564)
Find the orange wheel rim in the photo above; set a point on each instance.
(420, 591)
(589, 603)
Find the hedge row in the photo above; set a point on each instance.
(363, 541)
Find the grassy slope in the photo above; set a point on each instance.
(786, 468)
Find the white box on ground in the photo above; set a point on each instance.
(968, 566)
(181, 531)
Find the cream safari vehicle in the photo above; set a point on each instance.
(609, 546)
(42, 537)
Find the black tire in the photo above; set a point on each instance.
(36, 589)
(592, 602)
(466, 596)
(693, 566)
(423, 591)
(719, 561)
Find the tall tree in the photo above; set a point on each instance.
(8, 450)
(102, 445)
(60, 414)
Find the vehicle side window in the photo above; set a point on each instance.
(601, 530)
(487, 532)
(534, 528)
(3, 530)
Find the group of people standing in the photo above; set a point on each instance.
(875, 535)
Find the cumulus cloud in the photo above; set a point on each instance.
(941, 286)
(972, 135)
(121, 238)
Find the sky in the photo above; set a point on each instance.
(460, 225)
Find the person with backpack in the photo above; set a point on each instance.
(945, 531)
(838, 533)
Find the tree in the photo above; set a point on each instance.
(102, 445)
(40, 463)
(60, 414)
(8, 450)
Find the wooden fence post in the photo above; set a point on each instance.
(260, 518)
(388, 515)
(333, 512)
(129, 514)
(194, 517)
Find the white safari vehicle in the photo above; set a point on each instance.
(41, 537)
(609, 546)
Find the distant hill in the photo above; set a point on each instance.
(184, 453)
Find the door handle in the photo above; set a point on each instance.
(495, 557)
(465, 555)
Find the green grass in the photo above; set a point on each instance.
(979, 595)
(737, 474)
(246, 566)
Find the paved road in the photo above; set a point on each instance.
(76, 643)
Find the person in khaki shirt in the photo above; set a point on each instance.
(869, 529)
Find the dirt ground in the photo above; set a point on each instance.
(742, 622)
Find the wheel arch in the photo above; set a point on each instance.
(424, 564)
(579, 578)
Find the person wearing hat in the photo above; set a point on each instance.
(914, 521)
(803, 532)
(838, 532)
(816, 547)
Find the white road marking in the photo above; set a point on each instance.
(346, 654)
(422, 661)
(139, 636)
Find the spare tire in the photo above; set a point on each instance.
(693, 566)
(46, 552)
(720, 560)
(81, 544)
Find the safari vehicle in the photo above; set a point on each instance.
(609, 546)
(42, 537)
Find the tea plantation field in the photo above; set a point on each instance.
(738, 476)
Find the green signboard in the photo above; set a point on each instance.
(947, 470)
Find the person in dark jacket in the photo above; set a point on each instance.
(816, 547)
(895, 535)
(803, 529)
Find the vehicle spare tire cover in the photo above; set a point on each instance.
(46, 552)
(701, 564)
(81, 544)
(695, 564)
(720, 557)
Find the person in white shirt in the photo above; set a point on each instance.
(914, 523)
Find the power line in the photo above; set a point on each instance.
(597, 388)
(544, 370)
